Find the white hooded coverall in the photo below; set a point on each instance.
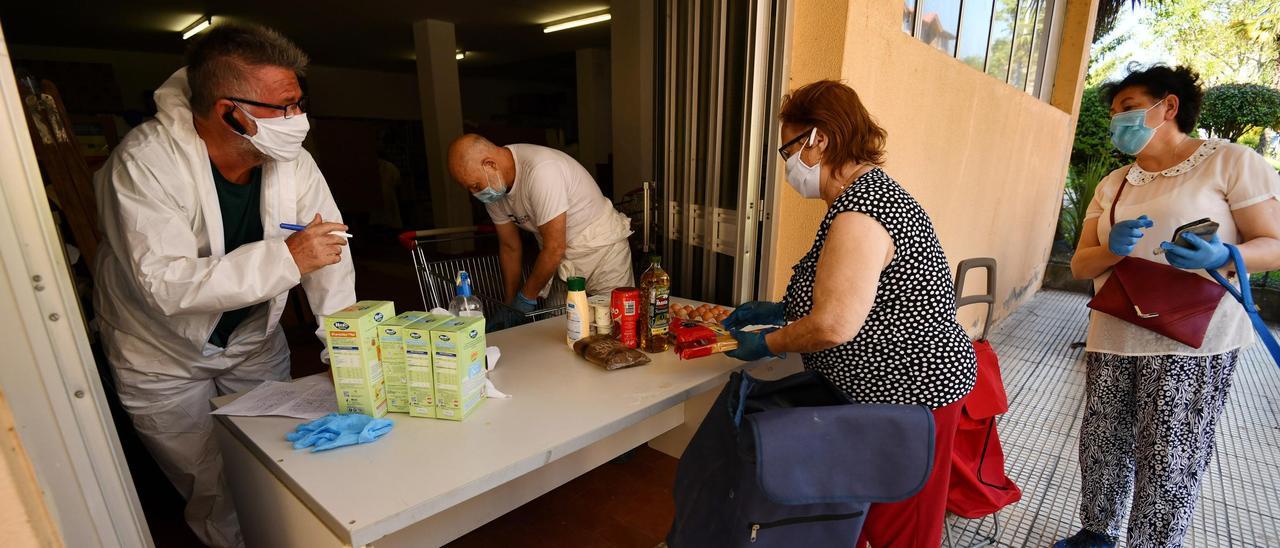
(164, 280)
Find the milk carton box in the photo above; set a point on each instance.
(458, 359)
(394, 375)
(419, 378)
(356, 360)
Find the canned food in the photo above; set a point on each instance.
(624, 310)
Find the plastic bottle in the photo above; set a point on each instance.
(577, 311)
(655, 293)
(464, 303)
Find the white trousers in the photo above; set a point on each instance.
(170, 412)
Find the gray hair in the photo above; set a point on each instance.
(218, 63)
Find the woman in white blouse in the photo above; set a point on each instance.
(1152, 403)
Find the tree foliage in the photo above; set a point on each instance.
(1230, 110)
(1224, 40)
(1093, 132)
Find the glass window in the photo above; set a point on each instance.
(939, 24)
(1039, 47)
(975, 29)
(1023, 36)
(1007, 39)
(1001, 38)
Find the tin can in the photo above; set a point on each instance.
(624, 309)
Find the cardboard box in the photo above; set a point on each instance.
(419, 375)
(394, 375)
(355, 358)
(458, 358)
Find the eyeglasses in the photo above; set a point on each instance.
(290, 110)
(784, 150)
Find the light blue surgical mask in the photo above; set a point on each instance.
(1129, 131)
(490, 194)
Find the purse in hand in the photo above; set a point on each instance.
(1158, 297)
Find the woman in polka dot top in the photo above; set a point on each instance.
(871, 306)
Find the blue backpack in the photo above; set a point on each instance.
(792, 462)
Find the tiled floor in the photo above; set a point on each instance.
(1044, 377)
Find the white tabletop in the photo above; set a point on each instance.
(561, 403)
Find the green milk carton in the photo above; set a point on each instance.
(351, 335)
(420, 379)
(394, 374)
(458, 358)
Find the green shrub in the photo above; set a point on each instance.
(1082, 181)
(1232, 109)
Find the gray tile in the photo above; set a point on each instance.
(1240, 495)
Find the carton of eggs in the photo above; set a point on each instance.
(705, 313)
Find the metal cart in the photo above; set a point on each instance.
(439, 254)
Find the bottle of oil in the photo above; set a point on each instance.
(655, 291)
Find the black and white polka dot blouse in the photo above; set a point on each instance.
(910, 350)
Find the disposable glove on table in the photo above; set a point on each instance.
(1125, 235)
(337, 430)
(756, 313)
(1209, 255)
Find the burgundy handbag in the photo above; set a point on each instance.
(1158, 297)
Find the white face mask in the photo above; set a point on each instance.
(279, 138)
(803, 177)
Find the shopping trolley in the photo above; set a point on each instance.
(437, 261)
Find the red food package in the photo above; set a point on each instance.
(697, 339)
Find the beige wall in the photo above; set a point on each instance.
(986, 160)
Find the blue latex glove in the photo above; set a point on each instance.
(1210, 255)
(334, 430)
(524, 304)
(751, 345)
(756, 313)
(1125, 235)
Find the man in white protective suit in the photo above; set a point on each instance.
(548, 193)
(194, 271)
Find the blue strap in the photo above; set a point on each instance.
(1244, 296)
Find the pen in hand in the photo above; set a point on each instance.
(297, 228)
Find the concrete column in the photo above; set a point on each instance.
(441, 118)
(632, 57)
(595, 138)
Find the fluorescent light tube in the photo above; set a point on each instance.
(197, 28)
(574, 22)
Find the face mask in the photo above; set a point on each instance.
(804, 177)
(279, 138)
(489, 194)
(1129, 131)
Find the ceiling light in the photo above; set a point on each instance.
(460, 55)
(197, 27)
(578, 21)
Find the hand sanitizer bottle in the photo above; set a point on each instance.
(464, 303)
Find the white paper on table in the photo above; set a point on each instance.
(308, 398)
(492, 354)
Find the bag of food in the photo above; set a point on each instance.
(606, 352)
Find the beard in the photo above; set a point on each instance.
(246, 150)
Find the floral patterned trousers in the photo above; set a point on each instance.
(1148, 433)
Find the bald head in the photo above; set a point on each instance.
(471, 154)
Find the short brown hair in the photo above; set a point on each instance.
(218, 62)
(835, 109)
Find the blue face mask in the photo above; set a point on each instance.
(489, 195)
(1129, 131)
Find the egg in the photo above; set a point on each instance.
(708, 317)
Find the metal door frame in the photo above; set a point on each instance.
(691, 221)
